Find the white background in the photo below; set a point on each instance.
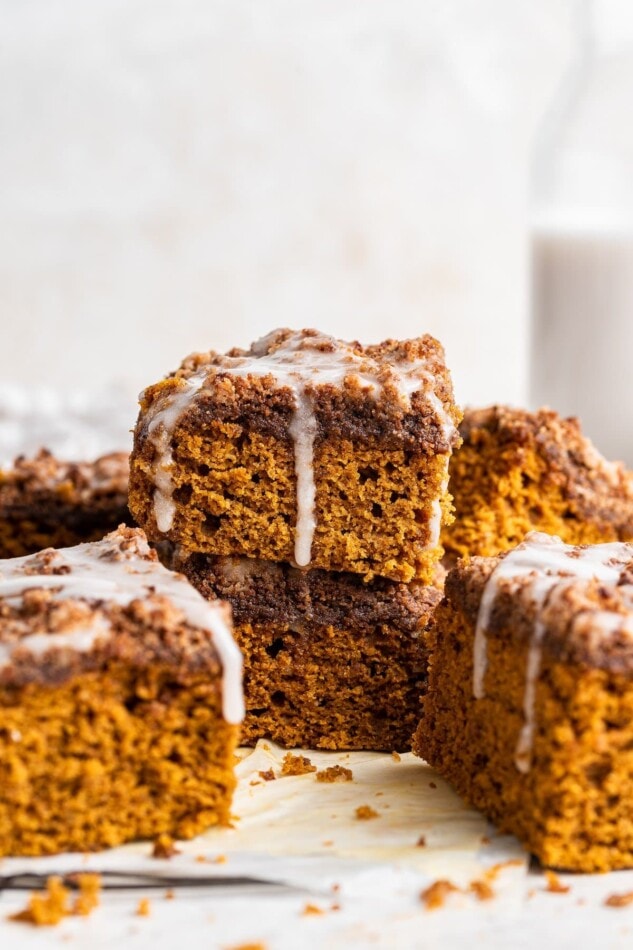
(178, 175)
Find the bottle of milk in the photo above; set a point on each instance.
(582, 235)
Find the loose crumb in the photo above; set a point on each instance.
(248, 946)
(164, 847)
(435, 895)
(421, 842)
(296, 765)
(335, 906)
(554, 884)
(365, 812)
(311, 910)
(220, 859)
(482, 890)
(485, 839)
(169, 894)
(268, 775)
(47, 908)
(493, 872)
(432, 785)
(619, 900)
(143, 907)
(328, 843)
(254, 782)
(396, 756)
(88, 898)
(335, 773)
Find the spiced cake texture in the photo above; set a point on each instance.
(302, 449)
(529, 707)
(330, 661)
(46, 502)
(120, 694)
(518, 471)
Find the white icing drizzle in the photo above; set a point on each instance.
(106, 571)
(435, 523)
(161, 429)
(552, 566)
(303, 430)
(299, 363)
(81, 641)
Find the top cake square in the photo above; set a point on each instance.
(303, 449)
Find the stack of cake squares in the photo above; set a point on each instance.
(305, 481)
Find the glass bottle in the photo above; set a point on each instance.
(582, 235)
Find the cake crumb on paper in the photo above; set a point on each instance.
(143, 908)
(88, 897)
(268, 775)
(312, 910)
(366, 812)
(493, 872)
(421, 842)
(482, 890)
(396, 756)
(296, 765)
(619, 900)
(335, 773)
(47, 908)
(555, 885)
(434, 896)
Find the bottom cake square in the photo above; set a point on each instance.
(529, 709)
(330, 661)
(120, 697)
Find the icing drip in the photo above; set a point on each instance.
(299, 363)
(161, 430)
(435, 523)
(303, 429)
(551, 567)
(105, 571)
